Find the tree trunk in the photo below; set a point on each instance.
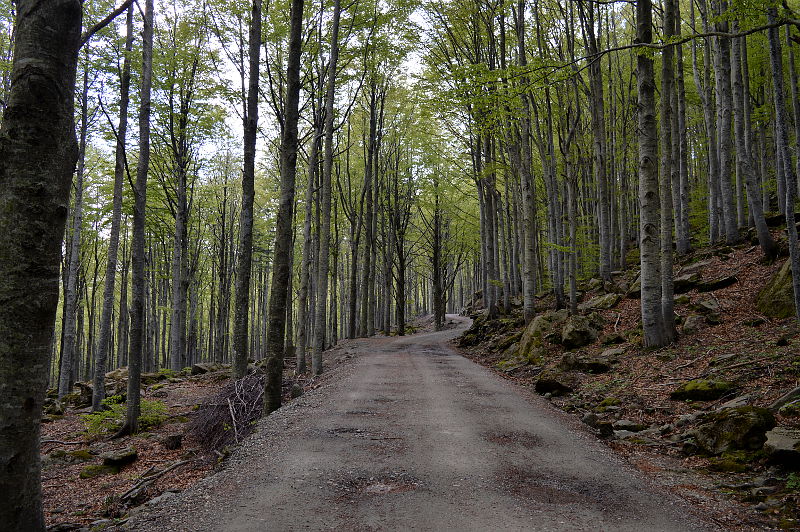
(245, 255)
(283, 223)
(743, 155)
(38, 151)
(781, 128)
(69, 359)
(320, 327)
(98, 392)
(137, 247)
(649, 201)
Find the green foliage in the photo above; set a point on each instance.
(793, 482)
(153, 413)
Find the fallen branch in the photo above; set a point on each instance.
(688, 363)
(145, 482)
(233, 420)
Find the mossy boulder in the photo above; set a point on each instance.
(541, 327)
(574, 362)
(684, 283)
(578, 331)
(776, 299)
(783, 447)
(732, 429)
(554, 383)
(731, 462)
(120, 458)
(96, 470)
(702, 390)
(603, 302)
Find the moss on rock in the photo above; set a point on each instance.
(96, 470)
(702, 390)
(776, 299)
(732, 429)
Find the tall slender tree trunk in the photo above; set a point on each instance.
(137, 335)
(320, 327)
(244, 265)
(722, 72)
(781, 128)
(98, 392)
(69, 359)
(667, 98)
(743, 154)
(649, 200)
(283, 223)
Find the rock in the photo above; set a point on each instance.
(605, 429)
(539, 328)
(603, 302)
(790, 409)
(695, 266)
(53, 407)
(95, 470)
(577, 332)
(776, 299)
(684, 283)
(297, 391)
(573, 362)
(742, 428)
(628, 425)
(590, 418)
(686, 419)
(167, 495)
(707, 306)
(754, 322)
(701, 390)
(788, 397)
(593, 284)
(783, 447)
(736, 402)
(172, 441)
(148, 379)
(553, 383)
(119, 374)
(682, 299)
(635, 291)
(717, 284)
(81, 398)
(612, 339)
(612, 354)
(120, 458)
(203, 367)
(693, 323)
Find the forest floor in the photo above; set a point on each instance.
(70, 452)
(405, 433)
(759, 355)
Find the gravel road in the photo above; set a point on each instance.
(409, 435)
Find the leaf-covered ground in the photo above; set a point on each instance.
(758, 354)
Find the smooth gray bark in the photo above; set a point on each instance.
(38, 151)
(244, 265)
(320, 326)
(104, 345)
(138, 329)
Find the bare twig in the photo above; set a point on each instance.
(147, 481)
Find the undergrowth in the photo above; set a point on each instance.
(110, 420)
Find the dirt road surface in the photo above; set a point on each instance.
(411, 436)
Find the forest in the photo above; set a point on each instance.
(244, 184)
